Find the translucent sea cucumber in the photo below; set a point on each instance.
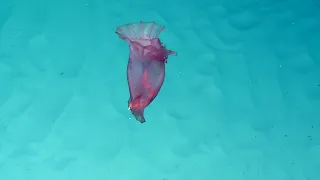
(146, 65)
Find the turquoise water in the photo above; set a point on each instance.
(240, 101)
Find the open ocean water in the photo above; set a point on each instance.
(241, 101)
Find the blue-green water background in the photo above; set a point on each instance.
(241, 101)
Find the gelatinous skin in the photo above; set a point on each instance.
(146, 65)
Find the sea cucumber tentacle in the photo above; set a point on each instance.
(140, 30)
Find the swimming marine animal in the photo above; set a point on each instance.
(146, 65)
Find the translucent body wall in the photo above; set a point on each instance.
(241, 101)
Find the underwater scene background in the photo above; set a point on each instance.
(240, 101)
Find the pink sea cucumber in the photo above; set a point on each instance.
(146, 65)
